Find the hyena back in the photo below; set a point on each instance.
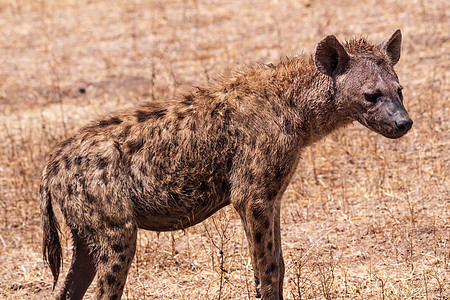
(169, 165)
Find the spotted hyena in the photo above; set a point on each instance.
(168, 165)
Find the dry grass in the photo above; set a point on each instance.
(364, 218)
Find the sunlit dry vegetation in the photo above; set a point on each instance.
(364, 217)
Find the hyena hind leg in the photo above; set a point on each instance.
(81, 273)
(114, 260)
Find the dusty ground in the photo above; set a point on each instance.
(364, 218)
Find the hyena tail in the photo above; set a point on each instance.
(51, 245)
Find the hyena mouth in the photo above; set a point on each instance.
(391, 130)
(385, 129)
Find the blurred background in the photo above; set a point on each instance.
(364, 218)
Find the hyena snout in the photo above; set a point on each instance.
(399, 121)
(397, 124)
(388, 118)
(403, 124)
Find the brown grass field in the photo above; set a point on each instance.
(364, 217)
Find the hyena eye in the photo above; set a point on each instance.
(371, 97)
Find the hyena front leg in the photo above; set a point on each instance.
(262, 224)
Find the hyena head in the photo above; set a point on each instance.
(366, 85)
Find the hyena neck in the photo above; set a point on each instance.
(303, 99)
(310, 97)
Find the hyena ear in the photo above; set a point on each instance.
(392, 47)
(331, 58)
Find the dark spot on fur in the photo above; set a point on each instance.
(139, 184)
(104, 258)
(116, 268)
(135, 146)
(216, 109)
(114, 225)
(268, 151)
(110, 279)
(271, 268)
(187, 100)
(54, 168)
(100, 282)
(57, 153)
(221, 143)
(159, 113)
(105, 178)
(89, 230)
(269, 246)
(90, 198)
(258, 211)
(174, 142)
(69, 189)
(266, 224)
(288, 125)
(101, 292)
(94, 143)
(77, 160)
(82, 181)
(122, 258)
(272, 194)
(117, 248)
(102, 163)
(258, 237)
(67, 142)
(203, 187)
(143, 116)
(266, 94)
(180, 115)
(110, 121)
(67, 162)
(143, 169)
(280, 172)
(117, 146)
(193, 126)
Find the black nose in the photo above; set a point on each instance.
(404, 124)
